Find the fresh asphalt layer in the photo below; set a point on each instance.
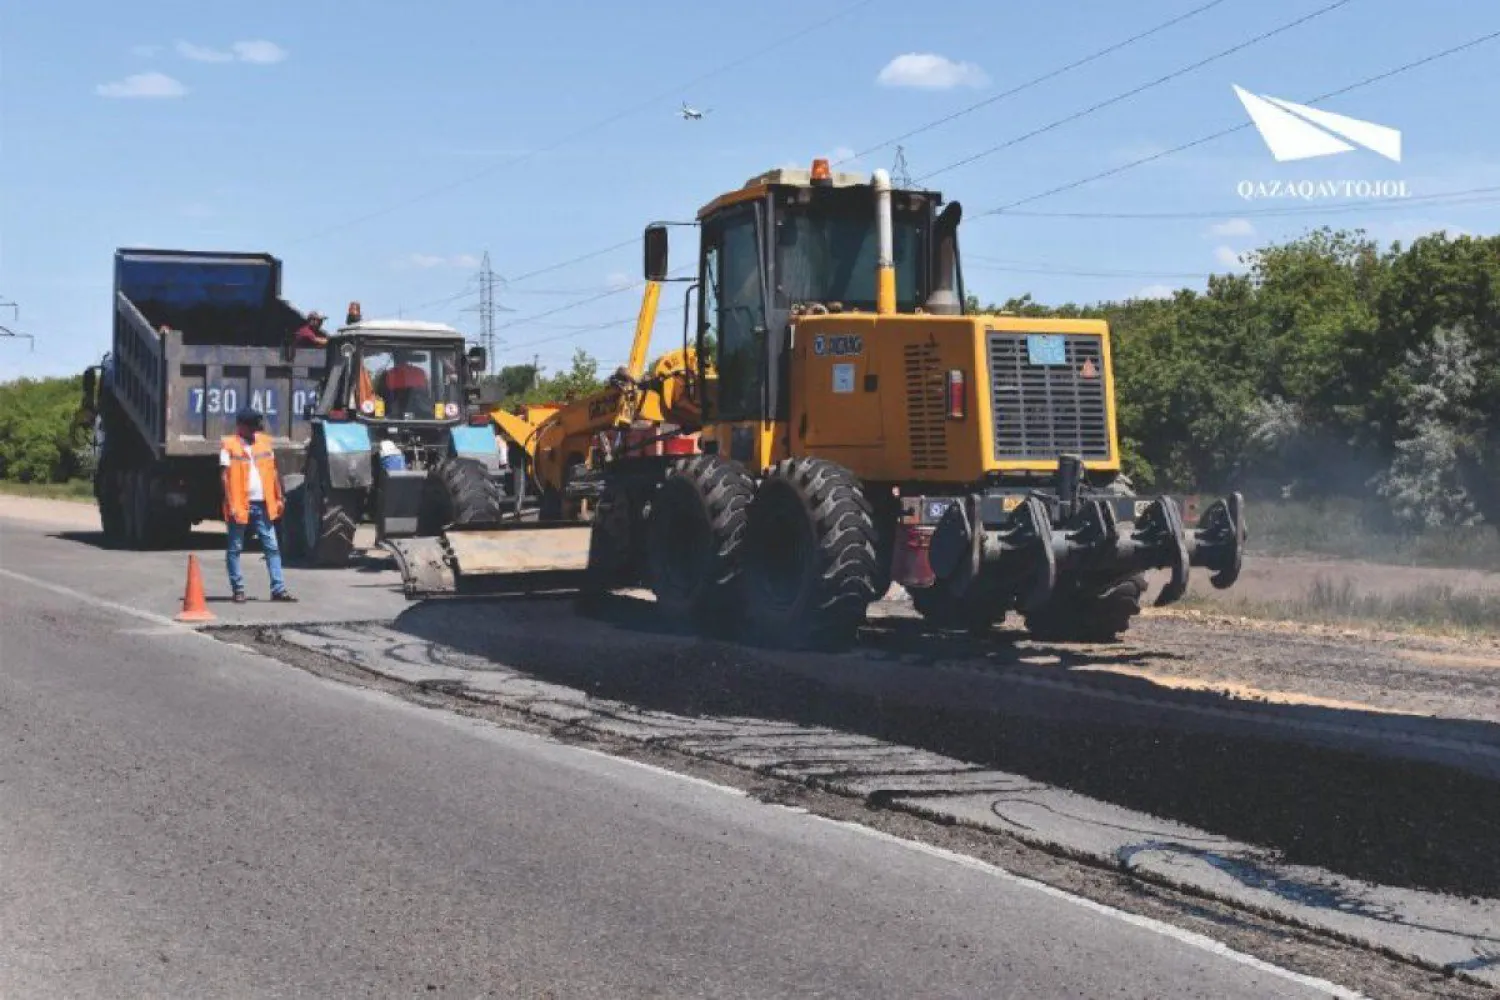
(182, 816)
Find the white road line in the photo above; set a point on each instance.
(1187, 937)
(124, 609)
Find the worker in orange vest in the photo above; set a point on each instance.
(252, 498)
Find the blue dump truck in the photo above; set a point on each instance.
(197, 336)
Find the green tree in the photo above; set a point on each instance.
(41, 440)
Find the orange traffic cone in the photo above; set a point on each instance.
(194, 608)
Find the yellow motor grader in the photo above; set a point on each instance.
(857, 426)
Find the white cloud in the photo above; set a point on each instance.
(464, 260)
(142, 85)
(930, 71)
(1228, 257)
(1232, 227)
(145, 51)
(617, 280)
(259, 51)
(202, 53)
(1156, 292)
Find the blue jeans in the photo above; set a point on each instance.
(268, 546)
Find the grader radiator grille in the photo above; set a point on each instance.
(1047, 392)
(926, 416)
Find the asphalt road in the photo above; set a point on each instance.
(183, 817)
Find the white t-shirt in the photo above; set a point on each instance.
(256, 490)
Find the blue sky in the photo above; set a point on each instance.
(325, 137)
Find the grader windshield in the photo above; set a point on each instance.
(793, 244)
(826, 247)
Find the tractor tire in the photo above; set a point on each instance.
(694, 538)
(617, 542)
(977, 610)
(1088, 614)
(289, 533)
(458, 491)
(473, 496)
(328, 522)
(811, 556)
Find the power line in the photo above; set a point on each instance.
(1057, 123)
(1042, 267)
(602, 123)
(1092, 57)
(1414, 64)
(1468, 196)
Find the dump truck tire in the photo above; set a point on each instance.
(111, 510)
(473, 497)
(695, 534)
(1075, 614)
(976, 610)
(810, 556)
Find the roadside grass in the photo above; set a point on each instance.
(80, 490)
(1341, 530)
(1339, 601)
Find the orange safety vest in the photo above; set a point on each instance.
(237, 477)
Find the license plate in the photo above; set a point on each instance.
(1046, 349)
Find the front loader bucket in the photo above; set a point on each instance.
(520, 556)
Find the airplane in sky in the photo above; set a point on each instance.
(692, 114)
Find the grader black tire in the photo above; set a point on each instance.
(617, 542)
(695, 534)
(1087, 614)
(811, 556)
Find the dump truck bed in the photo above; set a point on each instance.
(197, 335)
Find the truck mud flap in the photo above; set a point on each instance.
(519, 559)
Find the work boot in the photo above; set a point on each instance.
(239, 597)
(284, 596)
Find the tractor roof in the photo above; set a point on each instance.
(401, 329)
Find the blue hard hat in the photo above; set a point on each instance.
(248, 415)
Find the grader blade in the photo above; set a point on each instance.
(476, 561)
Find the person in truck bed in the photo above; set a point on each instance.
(310, 334)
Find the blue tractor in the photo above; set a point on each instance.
(397, 439)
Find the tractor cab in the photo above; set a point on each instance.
(398, 438)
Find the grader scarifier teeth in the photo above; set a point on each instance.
(1019, 555)
(1218, 544)
(1027, 556)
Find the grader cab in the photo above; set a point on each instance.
(859, 427)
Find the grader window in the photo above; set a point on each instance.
(738, 318)
(827, 254)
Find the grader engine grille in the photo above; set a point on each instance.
(1047, 393)
(926, 416)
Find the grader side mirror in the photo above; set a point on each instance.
(656, 253)
(479, 361)
(90, 382)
